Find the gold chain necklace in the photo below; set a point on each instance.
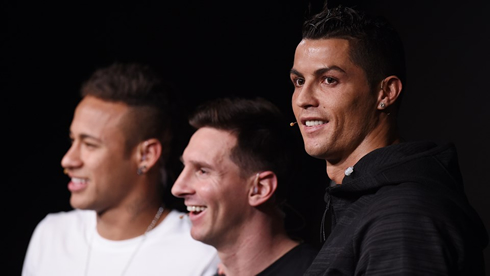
(150, 227)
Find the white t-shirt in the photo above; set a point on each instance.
(60, 246)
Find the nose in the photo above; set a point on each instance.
(304, 96)
(182, 186)
(72, 159)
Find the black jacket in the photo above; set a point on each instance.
(403, 211)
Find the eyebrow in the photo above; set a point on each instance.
(295, 72)
(319, 71)
(195, 163)
(85, 136)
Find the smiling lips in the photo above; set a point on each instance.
(315, 123)
(195, 209)
(77, 184)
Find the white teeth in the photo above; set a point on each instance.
(78, 180)
(195, 208)
(314, 123)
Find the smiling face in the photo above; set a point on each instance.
(210, 183)
(332, 101)
(101, 170)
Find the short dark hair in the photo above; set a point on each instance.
(265, 141)
(374, 43)
(144, 91)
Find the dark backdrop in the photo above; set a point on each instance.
(218, 48)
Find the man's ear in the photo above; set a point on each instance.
(264, 184)
(390, 90)
(148, 154)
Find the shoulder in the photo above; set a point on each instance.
(171, 240)
(61, 230)
(66, 220)
(418, 214)
(176, 229)
(295, 262)
(417, 200)
(404, 224)
(177, 222)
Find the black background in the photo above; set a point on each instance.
(218, 48)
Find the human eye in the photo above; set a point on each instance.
(329, 80)
(202, 171)
(89, 144)
(297, 81)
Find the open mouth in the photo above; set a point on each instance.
(314, 123)
(77, 184)
(195, 209)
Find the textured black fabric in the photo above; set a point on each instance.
(403, 211)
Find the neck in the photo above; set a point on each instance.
(255, 251)
(126, 222)
(377, 139)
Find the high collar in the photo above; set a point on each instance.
(404, 162)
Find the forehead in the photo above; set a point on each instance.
(322, 53)
(98, 118)
(211, 146)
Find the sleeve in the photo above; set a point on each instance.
(33, 253)
(213, 266)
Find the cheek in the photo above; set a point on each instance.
(363, 110)
(206, 190)
(114, 169)
(209, 189)
(94, 161)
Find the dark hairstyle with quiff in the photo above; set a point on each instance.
(265, 140)
(374, 43)
(147, 95)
